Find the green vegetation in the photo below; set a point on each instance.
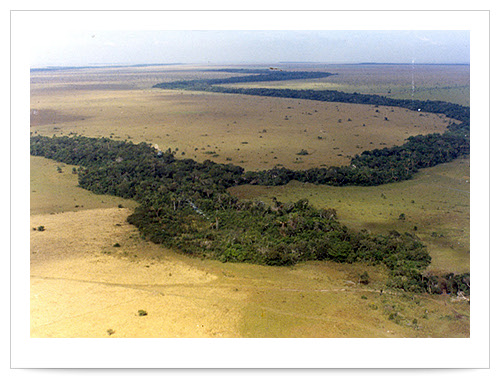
(185, 204)
(364, 278)
(257, 75)
(372, 167)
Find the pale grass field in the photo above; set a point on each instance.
(250, 131)
(84, 285)
(54, 192)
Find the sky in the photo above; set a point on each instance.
(94, 47)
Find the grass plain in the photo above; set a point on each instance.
(91, 273)
(449, 83)
(253, 132)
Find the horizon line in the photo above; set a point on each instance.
(124, 65)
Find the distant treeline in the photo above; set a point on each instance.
(450, 110)
(372, 167)
(257, 75)
(185, 205)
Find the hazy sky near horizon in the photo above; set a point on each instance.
(80, 48)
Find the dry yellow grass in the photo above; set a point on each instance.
(85, 285)
(251, 131)
(52, 191)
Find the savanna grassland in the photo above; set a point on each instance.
(250, 131)
(92, 273)
(449, 83)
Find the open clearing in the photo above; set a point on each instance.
(91, 273)
(251, 131)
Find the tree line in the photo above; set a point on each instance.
(371, 167)
(185, 205)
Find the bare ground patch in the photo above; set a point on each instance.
(40, 117)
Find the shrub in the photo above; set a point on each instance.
(142, 312)
(364, 278)
(41, 228)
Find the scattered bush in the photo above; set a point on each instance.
(179, 199)
(364, 278)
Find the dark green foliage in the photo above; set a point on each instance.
(185, 204)
(449, 283)
(262, 76)
(371, 167)
(364, 278)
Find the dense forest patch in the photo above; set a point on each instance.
(185, 205)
